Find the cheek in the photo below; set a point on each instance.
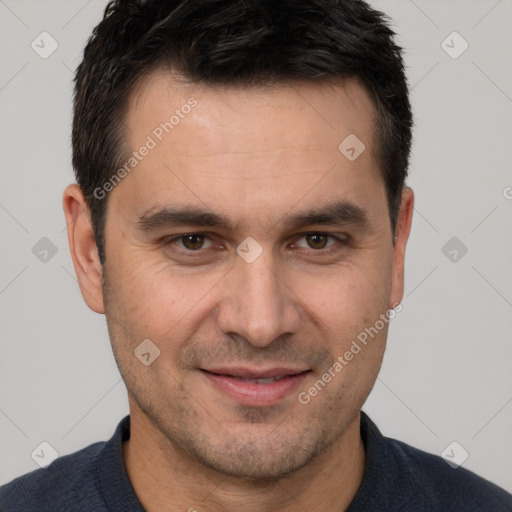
(351, 297)
(159, 300)
(351, 306)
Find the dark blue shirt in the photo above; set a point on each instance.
(397, 477)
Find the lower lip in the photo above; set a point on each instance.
(255, 393)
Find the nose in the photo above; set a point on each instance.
(258, 303)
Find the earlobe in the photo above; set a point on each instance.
(82, 245)
(401, 236)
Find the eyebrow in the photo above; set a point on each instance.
(338, 213)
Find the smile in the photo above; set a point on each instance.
(249, 387)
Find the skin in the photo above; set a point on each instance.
(255, 157)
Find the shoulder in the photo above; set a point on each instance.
(67, 481)
(432, 478)
(399, 477)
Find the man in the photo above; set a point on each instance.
(241, 219)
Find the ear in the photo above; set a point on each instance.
(402, 229)
(82, 245)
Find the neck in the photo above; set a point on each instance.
(165, 479)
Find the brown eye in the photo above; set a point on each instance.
(188, 243)
(317, 240)
(193, 242)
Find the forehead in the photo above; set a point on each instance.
(214, 146)
(272, 117)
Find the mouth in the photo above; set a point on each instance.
(255, 387)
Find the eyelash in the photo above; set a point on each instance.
(189, 252)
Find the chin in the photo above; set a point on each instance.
(260, 459)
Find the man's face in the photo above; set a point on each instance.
(288, 303)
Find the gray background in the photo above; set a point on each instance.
(446, 374)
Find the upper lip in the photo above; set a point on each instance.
(252, 373)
